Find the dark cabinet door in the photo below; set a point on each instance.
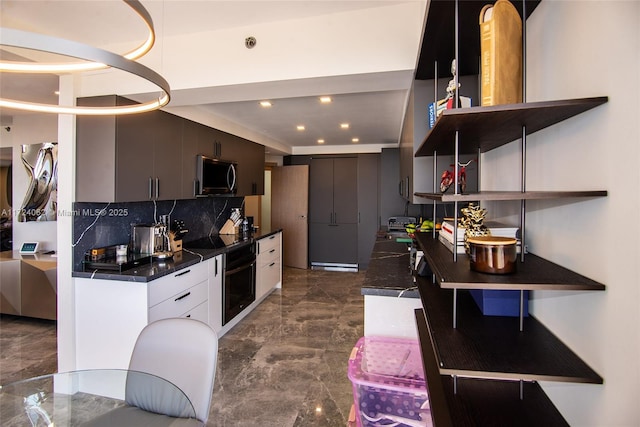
(345, 190)
(190, 150)
(321, 191)
(251, 170)
(368, 215)
(167, 157)
(333, 243)
(134, 157)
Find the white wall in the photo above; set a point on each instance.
(29, 129)
(583, 49)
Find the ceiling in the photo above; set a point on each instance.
(370, 100)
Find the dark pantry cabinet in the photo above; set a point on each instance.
(333, 211)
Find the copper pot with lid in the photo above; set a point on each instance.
(493, 254)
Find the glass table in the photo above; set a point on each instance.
(95, 398)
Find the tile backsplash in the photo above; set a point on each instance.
(105, 224)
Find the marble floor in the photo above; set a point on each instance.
(284, 365)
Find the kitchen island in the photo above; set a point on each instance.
(390, 293)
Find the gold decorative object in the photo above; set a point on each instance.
(472, 221)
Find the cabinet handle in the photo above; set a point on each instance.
(183, 296)
(182, 273)
(215, 267)
(157, 187)
(272, 237)
(272, 251)
(272, 264)
(150, 188)
(188, 315)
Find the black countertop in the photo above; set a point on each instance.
(150, 269)
(389, 273)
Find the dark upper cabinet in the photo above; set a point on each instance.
(249, 157)
(152, 156)
(127, 158)
(333, 198)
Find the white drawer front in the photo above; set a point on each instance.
(200, 312)
(167, 286)
(271, 273)
(180, 303)
(268, 243)
(267, 257)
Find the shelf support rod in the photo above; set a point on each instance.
(524, 51)
(435, 153)
(521, 390)
(457, 57)
(457, 154)
(435, 189)
(523, 202)
(521, 309)
(524, 130)
(455, 307)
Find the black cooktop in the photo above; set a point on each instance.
(213, 242)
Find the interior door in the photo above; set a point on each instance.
(290, 210)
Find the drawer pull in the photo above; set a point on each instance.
(182, 273)
(183, 296)
(272, 251)
(188, 315)
(272, 264)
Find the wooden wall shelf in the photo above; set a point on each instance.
(510, 195)
(482, 402)
(486, 128)
(493, 347)
(535, 273)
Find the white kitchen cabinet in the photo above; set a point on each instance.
(269, 264)
(111, 313)
(216, 274)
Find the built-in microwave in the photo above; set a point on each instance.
(215, 176)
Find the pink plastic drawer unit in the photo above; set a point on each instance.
(388, 383)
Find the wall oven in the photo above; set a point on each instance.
(239, 286)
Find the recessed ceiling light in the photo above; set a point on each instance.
(355, 139)
(321, 141)
(325, 99)
(300, 127)
(344, 125)
(265, 104)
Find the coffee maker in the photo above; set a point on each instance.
(152, 239)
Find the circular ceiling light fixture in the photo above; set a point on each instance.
(34, 41)
(32, 67)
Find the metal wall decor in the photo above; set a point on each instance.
(41, 198)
